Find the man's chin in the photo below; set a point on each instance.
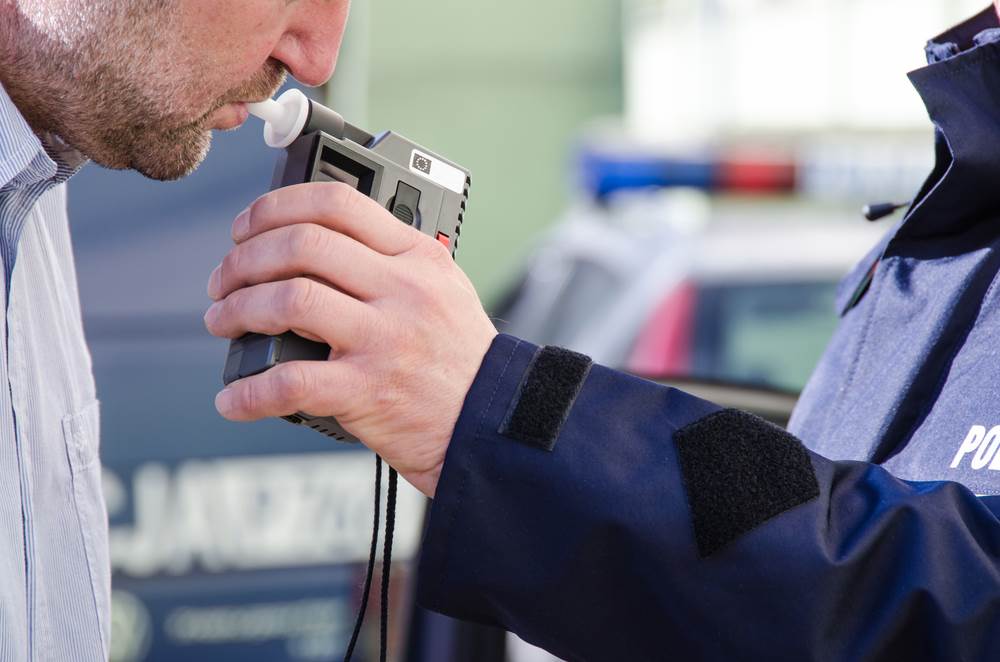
(173, 161)
(183, 151)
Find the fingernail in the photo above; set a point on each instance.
(241, 226)
(215, 282)
(224, 400)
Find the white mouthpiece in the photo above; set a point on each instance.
(284, 119)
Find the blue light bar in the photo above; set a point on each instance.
(601, 174)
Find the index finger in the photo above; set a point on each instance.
(333, 205)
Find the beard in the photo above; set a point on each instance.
(139, 135)
(114, 81)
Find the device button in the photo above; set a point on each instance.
(404, 205)
(444, 239)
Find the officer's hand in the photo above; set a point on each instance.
(407, 329)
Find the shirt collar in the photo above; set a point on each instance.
(26, 158)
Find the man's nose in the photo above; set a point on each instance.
(309, 46)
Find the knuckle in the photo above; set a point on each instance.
(261, 206)
(247, 398)
(433, 250)
(231, 264)
(401, 274)
(338, 197)
(235, 310)
(253, 214)
(233, 305)
(442, 255)
(365, 325)
(298, 297)
(302, 240)
(290, 385)
(387, 396)
(426, 260)
(412, 283)
(219, 320)
(382, 392)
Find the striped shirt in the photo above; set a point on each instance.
(54, 570)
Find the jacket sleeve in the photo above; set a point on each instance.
(604, 517)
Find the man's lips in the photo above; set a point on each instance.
(228, 117)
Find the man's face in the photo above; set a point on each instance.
(143, 82)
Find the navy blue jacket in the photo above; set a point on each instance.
(603, 517)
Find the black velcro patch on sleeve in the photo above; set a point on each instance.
(740, 471)
(545, 396)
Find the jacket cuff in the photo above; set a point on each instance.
(508, 510)
(484, 408)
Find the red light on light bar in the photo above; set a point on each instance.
(756, 176)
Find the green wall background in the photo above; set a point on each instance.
(502, 87)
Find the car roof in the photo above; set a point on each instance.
(778, 249)
(739, 238)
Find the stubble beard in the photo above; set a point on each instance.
(122, 94)
(139, 133)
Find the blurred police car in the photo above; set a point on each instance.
(753, 302)
(692, 280)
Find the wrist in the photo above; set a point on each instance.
(425, 481)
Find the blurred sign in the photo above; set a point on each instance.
(248, 513)
(249, 557)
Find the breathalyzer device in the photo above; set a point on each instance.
(417, 186)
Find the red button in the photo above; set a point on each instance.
(444, 239)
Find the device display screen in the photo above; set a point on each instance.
(334, 166)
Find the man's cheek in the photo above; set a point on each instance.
(233, 36)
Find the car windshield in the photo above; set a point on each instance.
(764, 333)
(586, 295)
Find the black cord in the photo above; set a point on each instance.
(390, 525)
(371, 558)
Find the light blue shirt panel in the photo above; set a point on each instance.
(54, 568)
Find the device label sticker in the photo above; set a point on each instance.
(437, 171)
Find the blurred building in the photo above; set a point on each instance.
(504, 88)
(700, 69)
